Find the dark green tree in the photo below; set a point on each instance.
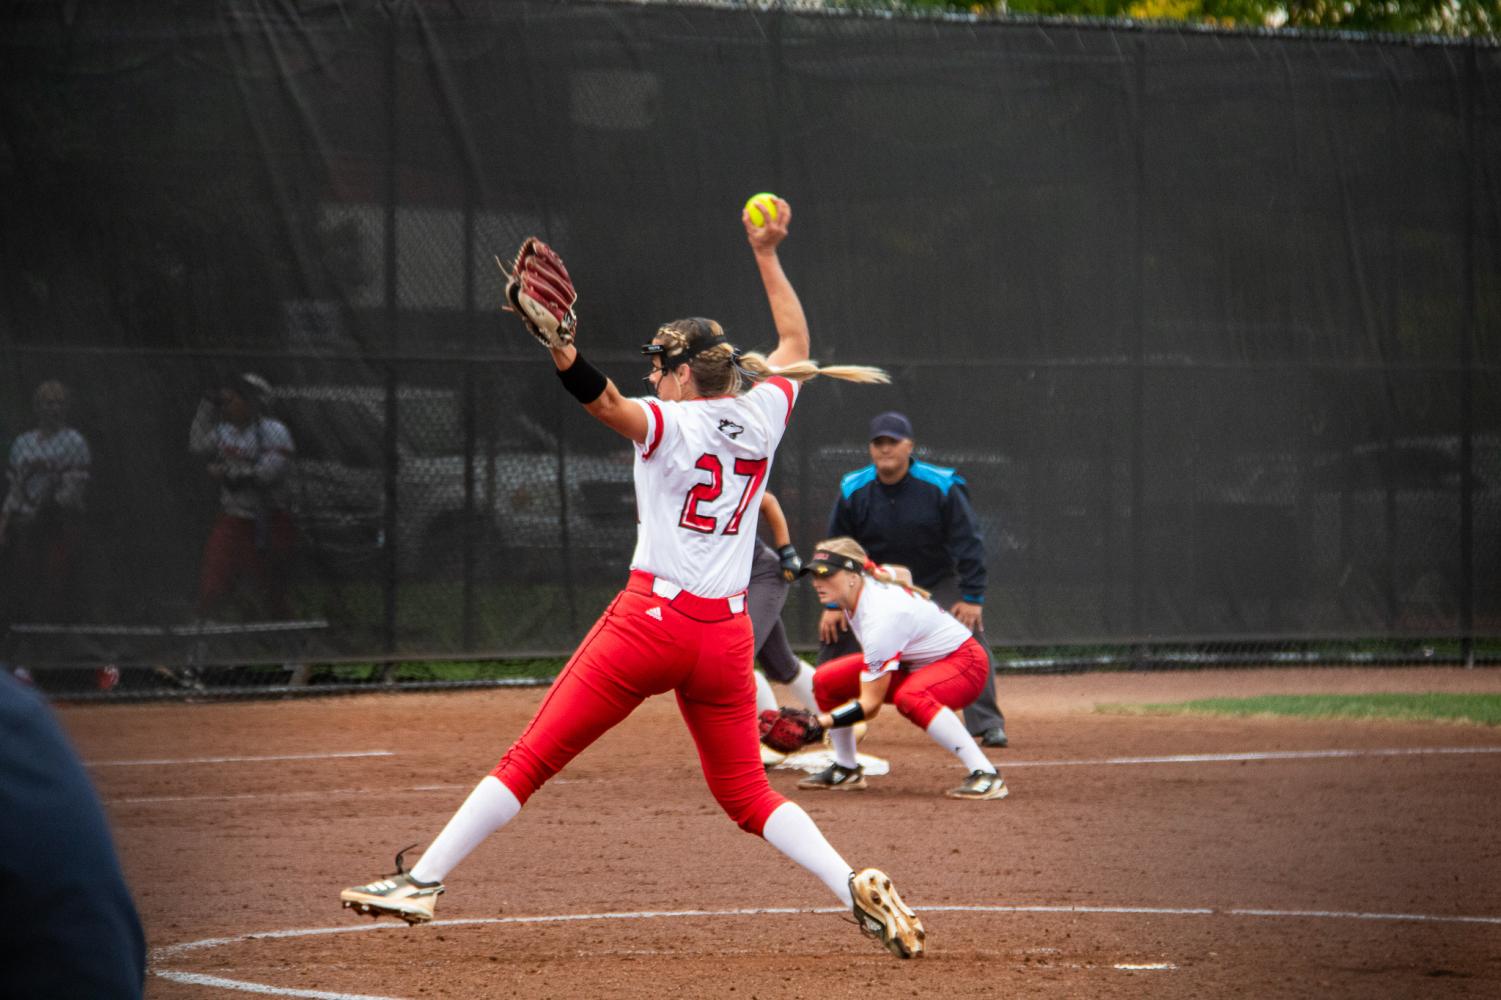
(1465, 18)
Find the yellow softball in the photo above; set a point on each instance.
(753, 207)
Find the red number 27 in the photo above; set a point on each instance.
(753, 470)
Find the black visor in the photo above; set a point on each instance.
(691, 352)
(824, 562)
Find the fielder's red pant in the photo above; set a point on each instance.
(644, 645)
(952, 682)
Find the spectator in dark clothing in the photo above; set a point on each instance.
(71, 928)
(909, 513)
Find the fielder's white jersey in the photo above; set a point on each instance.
(699, 479)
(897, 627)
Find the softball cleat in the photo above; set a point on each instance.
(882, 915)
(836, 777)
(980, 785)
(397, 896)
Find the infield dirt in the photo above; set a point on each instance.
(1370, 875)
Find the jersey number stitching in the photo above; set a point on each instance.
(752, 470)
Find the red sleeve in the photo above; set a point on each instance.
(789, 390)
(653, 431)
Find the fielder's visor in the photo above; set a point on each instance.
(823, 563)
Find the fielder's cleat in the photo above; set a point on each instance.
(882, 915)
(980, 785)
(398, 895)
(836, 777)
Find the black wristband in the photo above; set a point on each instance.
(847, 715)
(583, 381)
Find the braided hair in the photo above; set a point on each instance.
(720, 370)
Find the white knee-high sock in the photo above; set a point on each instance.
(843, 739)
(793, 832)
(488, 808)
(947, 730)
(764, 698)
(802, 685)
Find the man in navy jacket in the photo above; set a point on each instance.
(917, 515)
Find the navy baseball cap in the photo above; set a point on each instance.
(891, 425)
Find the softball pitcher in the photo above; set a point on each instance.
(914, 655)
(704, 445)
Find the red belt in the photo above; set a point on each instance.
(702, 609)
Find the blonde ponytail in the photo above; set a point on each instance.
(801, 371)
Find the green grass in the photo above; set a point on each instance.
(1476, 709)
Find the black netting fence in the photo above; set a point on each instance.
(1210, 322)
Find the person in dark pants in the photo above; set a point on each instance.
(910, 513)
(71, 927)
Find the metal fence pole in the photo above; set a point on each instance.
(1138, 355)
(470, 534)
(1468, 327)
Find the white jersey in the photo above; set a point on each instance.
(699, 479)
(47, 467)
(897, 627)
(256, 460)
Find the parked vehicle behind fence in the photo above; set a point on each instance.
(520, 518)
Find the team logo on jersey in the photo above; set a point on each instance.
(730, 429)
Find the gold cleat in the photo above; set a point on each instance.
(882, 915)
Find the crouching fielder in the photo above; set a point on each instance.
(913, 654)
(704, 443)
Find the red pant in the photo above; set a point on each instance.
(952, 682)
(231, 553)
(643, 646)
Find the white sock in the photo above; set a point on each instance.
(802, 685)
(793, 832)
(764, 698)
(843, 739)
(488, 808)
(947, 730)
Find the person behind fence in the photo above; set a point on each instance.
(703, 444)
(71, 927)
(249, 456)
(913, 655)
(914, 514)
(41, 520)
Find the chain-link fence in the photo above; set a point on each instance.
(1208, 320)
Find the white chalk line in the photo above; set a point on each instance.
(1210, 758)
(164, 762)
(197, 979)
(1220, 758)
(168, 952)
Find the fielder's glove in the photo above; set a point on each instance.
(788, 730)
(539, 290)
(792, 563)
